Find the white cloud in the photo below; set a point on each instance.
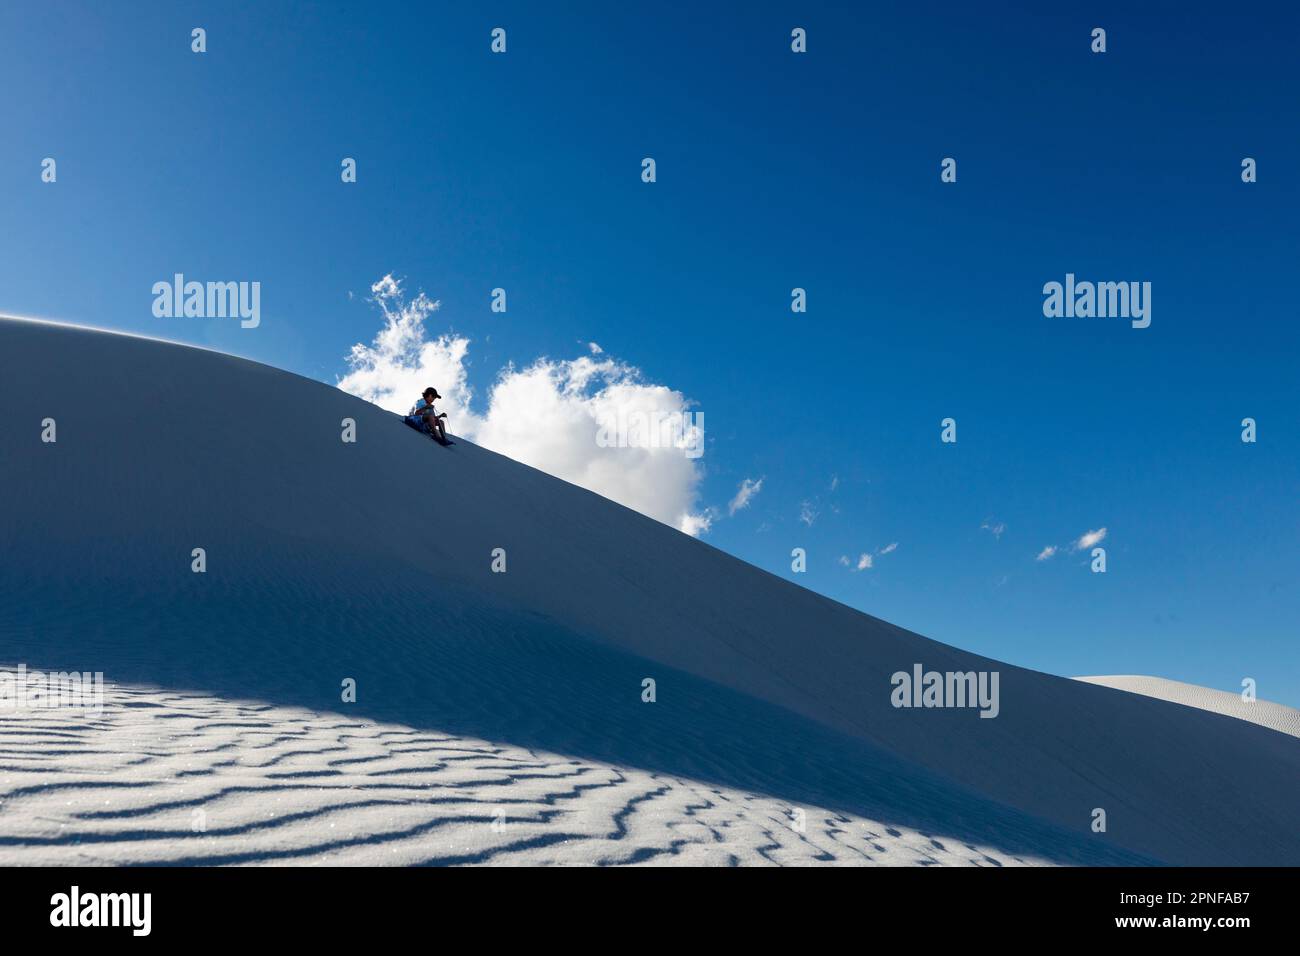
(835, 482)
(744, 494)
(1089, 539)
(807, 513)
(865, 561)
(547, 415)
(1046, 553)
(994, 528)
(696, 524)
(397, 366)
(595, 349)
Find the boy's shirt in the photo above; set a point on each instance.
(420, 407)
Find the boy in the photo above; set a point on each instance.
(425, 417)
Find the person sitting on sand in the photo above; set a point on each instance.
(426, 417)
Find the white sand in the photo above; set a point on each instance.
(1265, 713)
(372, 561)
(169, 777)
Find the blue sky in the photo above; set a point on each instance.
(775, 170)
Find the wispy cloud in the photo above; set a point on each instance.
(744, 494)
(864, 560)
(994, 528)
(1084, 541)
(1090, 538)
(807, 513)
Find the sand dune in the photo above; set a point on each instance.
(1265, 713)
(322, 566)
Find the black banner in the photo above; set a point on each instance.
(334, 905)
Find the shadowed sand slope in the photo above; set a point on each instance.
(321, 566)
(1277, 717)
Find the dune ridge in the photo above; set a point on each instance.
(1265, 713)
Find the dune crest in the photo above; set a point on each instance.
(1277, 717)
